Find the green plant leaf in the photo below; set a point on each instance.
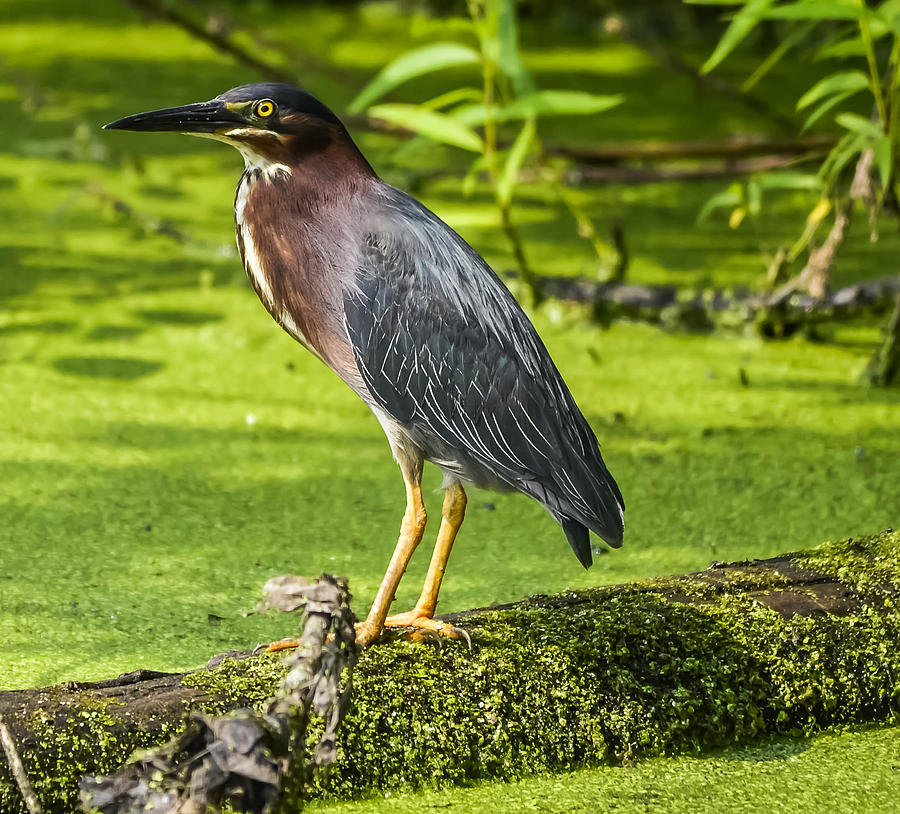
(743, 22)
(851, 46)
(541, 103)
(790, 180)
(818, 10)
(726, 199)
(884, 160)
(754, 197)
(429, 58)
(845, 151)
(440, 127)
(514, 160)
(736, 218)
(473, 115)
(823, 108)
(559, 103)
(843, 82)
(453, 97)
(889, 11)
(775, 57)
(509, 58)
(859, 124)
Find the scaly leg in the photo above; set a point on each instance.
(411, 530)
(422, 616)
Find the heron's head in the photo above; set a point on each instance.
(269, 122)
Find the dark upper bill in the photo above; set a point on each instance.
(202, 117)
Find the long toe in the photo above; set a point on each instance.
(274, 647)
(419, 627)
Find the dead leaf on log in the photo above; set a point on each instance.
(285, 593)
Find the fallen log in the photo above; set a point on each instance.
(721, 656)
(676, 307)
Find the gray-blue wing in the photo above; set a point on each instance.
(446, 351)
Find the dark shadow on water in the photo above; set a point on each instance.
(160, 191)
(772, 751)
(842, 392)
(48, 326)
(177, 317)
(158, 436)
(106, 367)
(105, 332)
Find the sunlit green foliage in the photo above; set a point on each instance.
(863, 42)
(471, 117)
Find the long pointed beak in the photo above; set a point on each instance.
(202, 117)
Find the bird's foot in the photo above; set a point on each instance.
(366, 634)
(420, 626)
(274, 647)
(416, 624)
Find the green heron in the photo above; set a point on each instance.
(411, 318)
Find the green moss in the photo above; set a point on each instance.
(621, 675)
(82, 737)
(239, 682)
(610, 675)
(605, 675)
(870, 564)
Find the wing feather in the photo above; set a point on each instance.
(445, 350)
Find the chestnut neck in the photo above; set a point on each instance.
(321, 161)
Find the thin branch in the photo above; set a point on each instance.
(18, 769)
(211, 36)
(816, 274)
(674, 62)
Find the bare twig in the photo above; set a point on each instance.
(816, 274)
(212, 36)
(587, 174)
(18, 769)
(733, 147)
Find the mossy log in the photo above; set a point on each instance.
(726, 655)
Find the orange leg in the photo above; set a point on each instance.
(411, 530)
(422, 616)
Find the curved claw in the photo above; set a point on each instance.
(419, 626)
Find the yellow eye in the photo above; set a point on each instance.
(265, 108)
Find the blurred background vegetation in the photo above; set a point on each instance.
(715, 274)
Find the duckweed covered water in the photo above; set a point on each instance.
(164, 448)
(856, 772)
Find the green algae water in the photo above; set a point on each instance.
(165, 449)
(856, 772)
